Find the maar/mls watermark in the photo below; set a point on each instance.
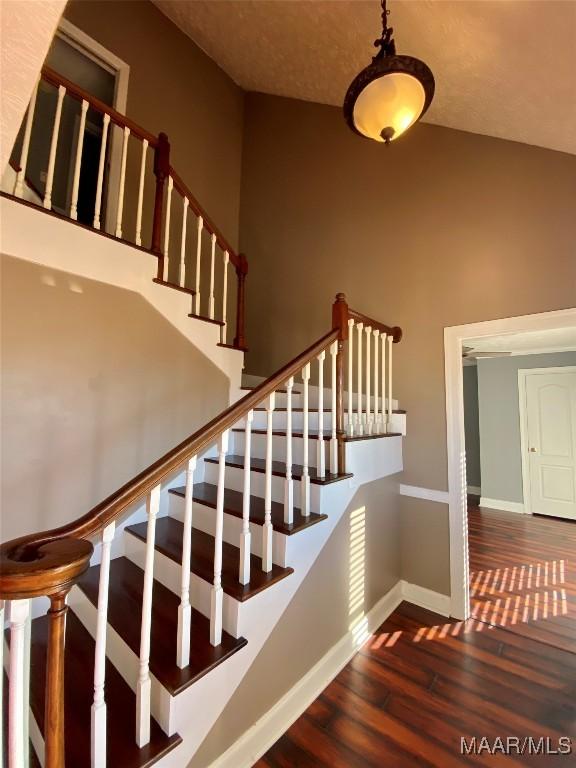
(516, 745)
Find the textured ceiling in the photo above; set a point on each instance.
(504, 68)
(529, 342)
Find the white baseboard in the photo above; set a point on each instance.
(429, 494)
(256, 741)
(505, 506)
(475, 489)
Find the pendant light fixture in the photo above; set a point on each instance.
(391, 94)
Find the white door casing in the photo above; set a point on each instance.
(547, 398)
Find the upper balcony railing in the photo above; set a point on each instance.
(123, 197)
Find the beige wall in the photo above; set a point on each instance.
(318, 616)
(95, 386)
(441, 228)
(174, 87)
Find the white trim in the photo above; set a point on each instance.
(121, 70)
(502, 504)
(523, 374)
(429, 494)
(454, 338)
(258, 739)
(475, 489)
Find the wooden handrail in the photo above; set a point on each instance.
(52, 77)
(208, 224)
(395, 331)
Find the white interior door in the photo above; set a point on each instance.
(551, 442)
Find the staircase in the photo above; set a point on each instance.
(130, 628)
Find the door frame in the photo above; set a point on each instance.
(454, 338)
(523, 374)
(94, 50)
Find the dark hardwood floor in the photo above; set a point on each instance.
(422, 682)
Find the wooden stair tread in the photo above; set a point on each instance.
(313, 434)
(205, 493)
(181, 288)
(279, 469)
(327, 410)
(278, 391)
(169, 534)
(206, 319)
(125, 613)
(78, 697)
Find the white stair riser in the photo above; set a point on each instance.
(168, 573)
(235, 482)
(280, 420)
(279, 448)
(124, 659)
(204, 518)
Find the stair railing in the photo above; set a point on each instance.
(210, 304)
(50, 563)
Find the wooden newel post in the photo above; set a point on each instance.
(241, 272)
(161, 171)
(340, 321)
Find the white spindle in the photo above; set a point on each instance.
(245, 536)
(198, 254)
(217, 592)
(333, 438)
(359, 417)
(78, 161)
(267, 527)
(141, 193)
(17, 753)
(120, 205)
(143, 686)
(289, 482)
(182, 275)
(26, 705)
(377, 428)
(98, 712)
(21, 176)
(2, 713)
(350, 376)
(166, 275)
(184, 609)
(368, 330)
(320, 452)
(383, 380)
(305, 481)
(212, 263)
(101, 163)
(225, 296)
(389, 424)
(53, 147)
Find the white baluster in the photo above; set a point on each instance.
(245, 536)
(350, 377)
(225, 296)
(377, 424)
(184, 609)
(217, 592)
(78, 161)
(2, 714)
(98, 712)
(166, 275)
(320, 452)
(359, 417)
(212, 261)
(120, 206)
(26, 705)
(368, 330)
(141, 193)
(389, 424)
(53, 147)
(267, 527)
(19, 611)
(333, 438)
(143, 686)
(21, 175)
(305, 481)
(198, 254)
(383, 380)
(182, 276)
(289, 482)
(101, 162)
